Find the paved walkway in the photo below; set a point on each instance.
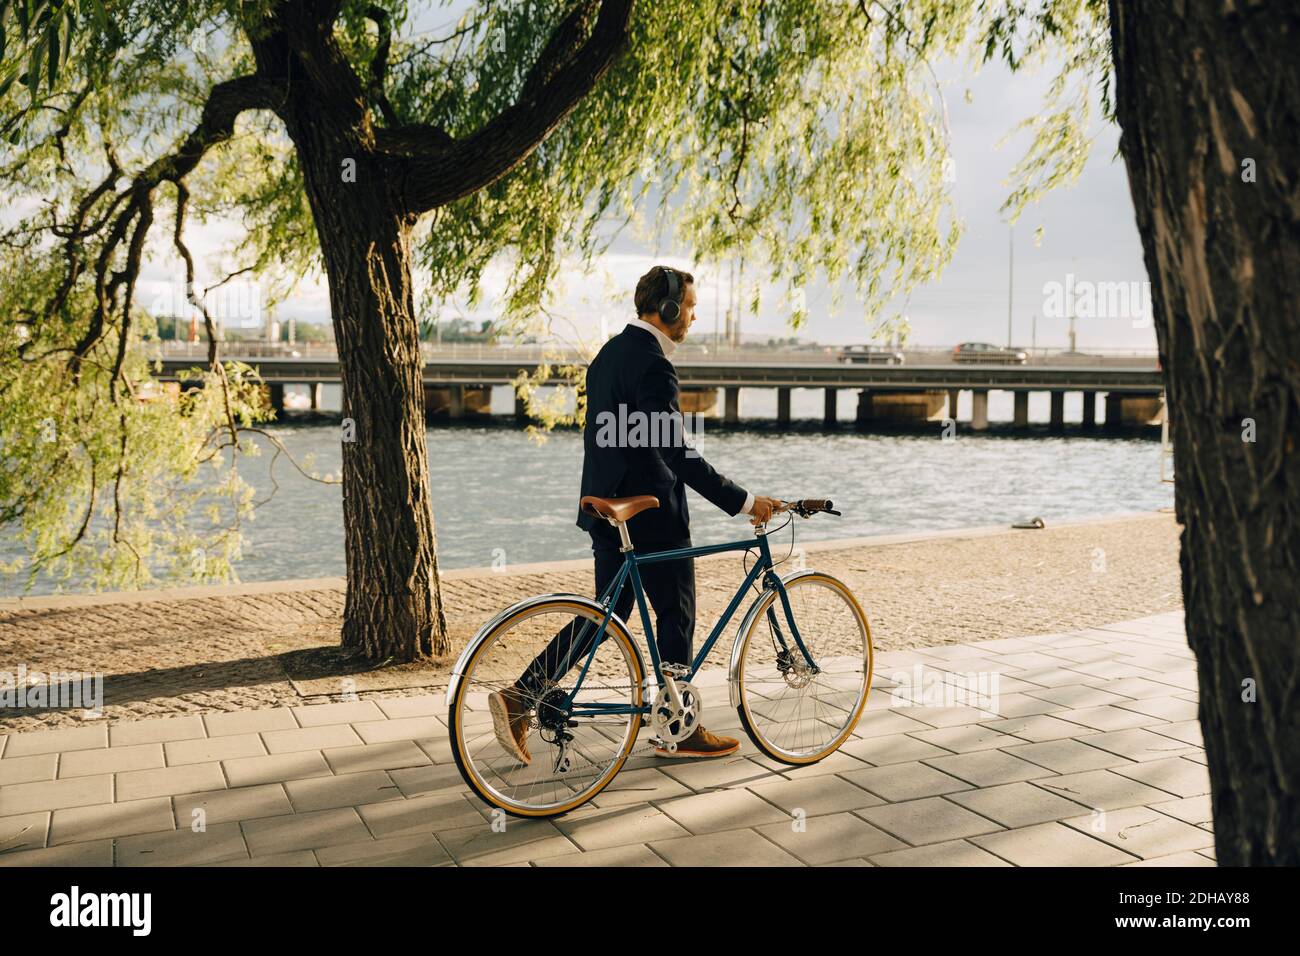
(1092, 758)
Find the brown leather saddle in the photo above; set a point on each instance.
(617, 509)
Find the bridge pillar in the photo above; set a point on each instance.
(275, 396)
(1089, 409)
(864, 407)
(979, 419)
(953, 395)
(1022, 409)
(521, 408)
(731, 414)
(1058, 411)
(783, 406)
(317, 392)
(831, 408)
(456, 401)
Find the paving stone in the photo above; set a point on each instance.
(1067, 756)
(1138, 687)
(890, 749)
(1102, 789)
(946, 717)
(81, 763)
(595, 828)
(520, 841)
(345, 713)
(907, 781)
(184, 847)
(348, 790)
(1034, 728)
(1194, 810)
(830, 837)
(837, 762)
(721, 810)
(209, 749)
(403, 728)
(28, 769)
(303, 831)
(878, 723)
(1177, 860)
(24, 831)
(952, 853)
(310, 738)
(413, 850)
(1022, 705)
(967, 739)
(931, 820)
(428, 705)
(429, 814)
(1187, 731)
(57, 741)
(988, 768)
(55, 794)
(157, 731)
(1077, 696)
(815, 796)
(428, 779)
(296, 858)
(728, 848)
(389, 756)
(1107, 718)
(1183, 778)
(249, 721)
(1017, 804)
(275, 768)
(109, 820)
(168, 781)
(225, 806)
(438, 749)
(1165, 708)
(97, 853)
(622, 856)
(639, 786)
(1051, 844)
(723, 772)
(1137, 744)
(1057, 675)
(1143, 832)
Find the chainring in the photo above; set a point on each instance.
(670, 724)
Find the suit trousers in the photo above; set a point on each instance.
(669, 587)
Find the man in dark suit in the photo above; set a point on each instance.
(634, 444)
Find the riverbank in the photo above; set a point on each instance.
(213, 649)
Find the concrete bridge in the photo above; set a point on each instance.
(458, 381)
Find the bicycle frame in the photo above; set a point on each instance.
(629, 571)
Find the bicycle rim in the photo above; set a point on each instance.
(599, 745)
(793, 715)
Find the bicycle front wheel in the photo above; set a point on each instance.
(795, 713)
(574, 742)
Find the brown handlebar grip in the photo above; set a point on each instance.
(817, 504)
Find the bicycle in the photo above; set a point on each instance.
(581, 731)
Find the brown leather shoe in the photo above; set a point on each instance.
(510, 721)
(701, 744)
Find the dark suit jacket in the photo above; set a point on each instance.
(632, 371)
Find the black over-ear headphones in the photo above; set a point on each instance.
(669, 309)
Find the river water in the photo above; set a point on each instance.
(499, 496)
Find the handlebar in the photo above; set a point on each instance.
(807, 507)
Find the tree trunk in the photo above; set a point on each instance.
(1208, 98)
(394, 604)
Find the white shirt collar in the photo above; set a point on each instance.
(665, 342)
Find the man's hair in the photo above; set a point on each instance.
(652, 288)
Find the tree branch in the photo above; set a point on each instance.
(441, 171)
(379, 65)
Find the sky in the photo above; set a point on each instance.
(1089, 236)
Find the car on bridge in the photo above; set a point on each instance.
(870, 355)
(984, 353)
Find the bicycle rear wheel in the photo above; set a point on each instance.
(572, 756)
(793, 713)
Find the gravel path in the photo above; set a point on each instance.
(223, 653)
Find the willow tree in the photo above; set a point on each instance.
(350, 136)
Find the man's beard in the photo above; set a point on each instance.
(677, 331)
